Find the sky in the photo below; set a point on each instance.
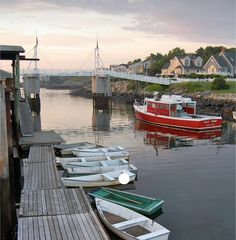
(67, 30)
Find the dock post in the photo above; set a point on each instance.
(6, 221)
(16, 71)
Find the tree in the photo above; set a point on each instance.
(179, 52)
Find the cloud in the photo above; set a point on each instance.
(211, 21)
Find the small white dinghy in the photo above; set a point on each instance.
(112, 151)
(128, 224)
(85, 164)
(97, 180)
(60, 160)
(80, 171)
(66, 149)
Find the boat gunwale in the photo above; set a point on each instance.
(145, 209)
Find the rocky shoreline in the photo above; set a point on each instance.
(207, 102)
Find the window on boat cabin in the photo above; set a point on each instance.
(149, 104)
(154, 105)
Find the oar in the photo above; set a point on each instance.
(131, 200)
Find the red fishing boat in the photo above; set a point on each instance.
(175, 111)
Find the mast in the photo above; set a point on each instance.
(36, 56)
(97, 65)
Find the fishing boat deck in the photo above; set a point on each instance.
(49, 211)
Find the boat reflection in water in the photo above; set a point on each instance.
(173, 137)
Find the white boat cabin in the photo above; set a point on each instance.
(170, 105)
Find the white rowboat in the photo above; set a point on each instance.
(101, 169)
(115, 162)
(97, 180)
(128, 224)
(60, 160)
(66, 149)
(101, 152)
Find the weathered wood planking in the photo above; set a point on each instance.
(48, 212)
(74, 226)
(41, 138)
(40, 176)
(41, 154)
(26, 123)
(53, 202)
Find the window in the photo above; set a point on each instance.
(153, 105)
(186, 63)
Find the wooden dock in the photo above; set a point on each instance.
(47, 210)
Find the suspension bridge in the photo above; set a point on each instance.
(99, 70)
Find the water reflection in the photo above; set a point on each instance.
(36, 119)
(101, 120)
(168, 138)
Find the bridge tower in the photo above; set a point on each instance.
(31, 83)
(101, 87)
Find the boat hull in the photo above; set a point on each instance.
(138, 203)
(204, 123)
(131, 219)
(97, 180)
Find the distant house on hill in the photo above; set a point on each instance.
(119, 68)
(183, 66)
(140, 67)
(223, 64)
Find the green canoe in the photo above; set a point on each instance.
(142, 204)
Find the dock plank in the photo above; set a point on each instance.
(26, 123)
(49, 212)
(40, 138)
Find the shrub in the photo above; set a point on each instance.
(219, 83)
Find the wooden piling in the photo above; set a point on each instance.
(6, 221)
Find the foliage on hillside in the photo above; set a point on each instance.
(191, 87)
(159, 60)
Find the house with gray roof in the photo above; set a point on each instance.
(222, 64)
(183, 66)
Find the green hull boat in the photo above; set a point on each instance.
(142, 204)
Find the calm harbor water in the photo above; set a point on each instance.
(193, 173)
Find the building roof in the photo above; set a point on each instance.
(166, 65)
(9, 52)
(231, 56)
(221, 61)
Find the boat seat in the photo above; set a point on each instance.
(108, 177)
(153, 234)
(124, 161)
(129, 223)
(104, 163)
(120, 148)
(104, 150)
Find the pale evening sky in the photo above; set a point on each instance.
(127, 29)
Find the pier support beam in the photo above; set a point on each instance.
(6, 220)
(101, 89)
(16, 76)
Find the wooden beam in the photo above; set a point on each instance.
(5, 197)
(16, 70)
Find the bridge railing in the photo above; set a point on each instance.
(138, 77)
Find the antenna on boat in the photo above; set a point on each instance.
(156, 95)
